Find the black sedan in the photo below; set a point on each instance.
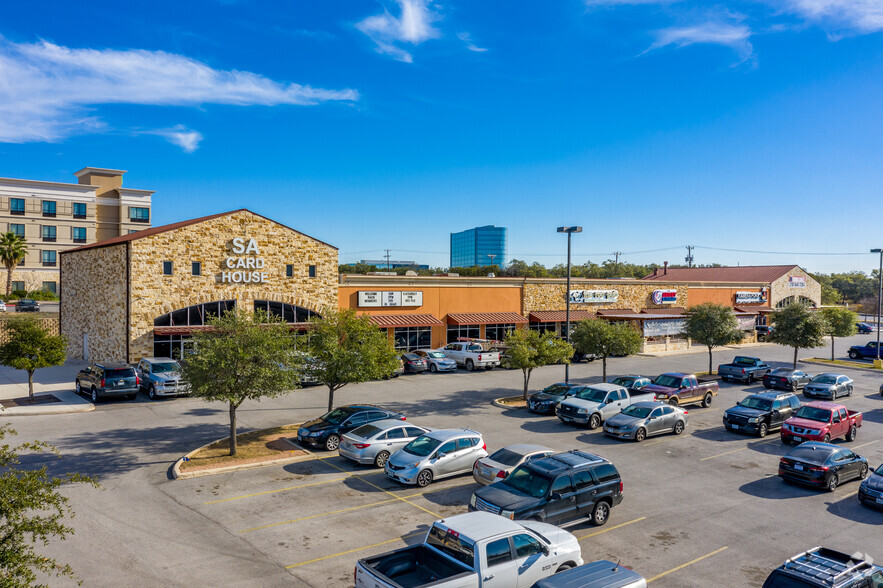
(27, 305)
(871, 490)
(822, 465)
(545, 402)
(413, 363)
(786, 379)
(327, 429)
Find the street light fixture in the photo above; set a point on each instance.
(879, 304)
(569, 231)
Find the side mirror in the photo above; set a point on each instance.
(440, 455)
(555, 496)
(545, 550)
(608, 401)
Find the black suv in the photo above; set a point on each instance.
(760, 413)
(822, 567)
(103, 380)
(558, 489)
(327, 429)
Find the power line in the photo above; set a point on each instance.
(782, 252)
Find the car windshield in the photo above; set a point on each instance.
(824, 379)
(421, 446)
(366, 431)
(624, 381)
(527, 482)
(336, 416)
(757, 403)
(879, 471)
(640, 412)
(162, 368)
(506, 457)
(814, 413)
(436, 355)
(809, 455)
(556, 389)
(668, 381)
(592, 395)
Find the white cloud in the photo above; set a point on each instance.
(467, 39)
(47, 91)
(413, 26)
(734, 36)
(862, 15)
(186, 139)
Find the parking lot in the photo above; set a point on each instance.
(698, 508)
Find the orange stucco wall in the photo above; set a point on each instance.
(724, 296)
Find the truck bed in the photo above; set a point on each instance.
(414, 567)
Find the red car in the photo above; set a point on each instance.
(821, 421)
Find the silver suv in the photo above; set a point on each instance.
(437, 454)
(161, 376)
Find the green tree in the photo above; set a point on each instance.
(13, 250)
(31, 347)
(603, 339)
(841, 323)
(529, 350)
(799, 327)
(346, 348)
(32, 512)
(241, 357)
(712, 325)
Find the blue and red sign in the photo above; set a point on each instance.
(664, 296)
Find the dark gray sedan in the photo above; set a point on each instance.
(786, 379)
(644, 419)
(828, 386)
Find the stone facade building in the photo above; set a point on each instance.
(143, 294)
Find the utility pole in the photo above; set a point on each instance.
(387, 259)
(616, 255)
(492, 256)
(689, 258)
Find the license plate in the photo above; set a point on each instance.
(485, 472)
(346, 443)
(300, 439)
(797, 466)
(734, 426)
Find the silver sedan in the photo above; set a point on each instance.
(644, 419)
(828, 386)
(499, 465)
(438, 361)
(375, 442)
(437, 454)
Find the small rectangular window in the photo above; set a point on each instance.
(17, 206)
(312, 271)
(17, 229)
(79, 234)
(49, 208)
(17, 285)
(49, 287)
(139, 215)
(167, 268)
(289, 271)
(196, 268)
(48, 258)
(79, 210)
(49, 233)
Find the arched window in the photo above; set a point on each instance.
(792, 299)
(195, 315)
(287, 312)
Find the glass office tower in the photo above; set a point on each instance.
(474, 247)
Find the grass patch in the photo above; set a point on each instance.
(845, 363)
(253, 447)
(513, 401)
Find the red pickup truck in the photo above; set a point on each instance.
(677, 388)
(821, 421)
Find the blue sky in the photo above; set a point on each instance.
(654, 124)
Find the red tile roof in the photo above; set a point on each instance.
(745, 273)
(669, 310)
(754, 309)
(405, 320)
(484, 318)
(558, 316)
(171, 227)
(616, 312)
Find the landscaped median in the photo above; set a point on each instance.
(510, 402)
(253, 450)
(860, 365)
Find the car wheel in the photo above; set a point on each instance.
(679, 428)
(762, 430)
(151, 392)
(432, 368)
(786, 439)
(706, 402)
(469, 365)
(827, 438)
(79, 389)
(595, 421)
(849, 391)
(673, 401)
(332, 443)
(749, 379)
(833, 482)
(600, 514)
(640, 434)
(853, 355)
(863, 472)
(488, 367)
(853, 432)
(381, 459)
(94, 395)
(563, 568)
(424, 478)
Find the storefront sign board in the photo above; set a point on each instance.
(797, 281)
(664, 296)
(746, 323)
(750, 297)
(662, 327)
(369, 299)
(587, 296)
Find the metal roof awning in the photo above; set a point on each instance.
(754, 309)
(668, 310)
(405, 320)
(485, 318)
(558, 316)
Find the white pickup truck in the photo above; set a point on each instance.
(474, 550)
(593, 404)
(471, 355)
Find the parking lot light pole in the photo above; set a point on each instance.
(877, 363)
(569, 231)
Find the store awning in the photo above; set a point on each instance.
(385, 321)
(754, 309)
(558, 316)
(668, 310)
(485, 318)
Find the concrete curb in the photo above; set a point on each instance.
(814, 361)
(178, 474)
(61, 408)
(496, 402)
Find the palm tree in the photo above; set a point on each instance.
(13, 249)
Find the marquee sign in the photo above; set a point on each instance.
(369, 299)
(746, 323)
(588, 296)
(797, 281)
(662, 327)
(750, 297)
(664, 296)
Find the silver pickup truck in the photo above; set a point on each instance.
(471, 355)
(474, 550)
(161, 376)
(593, 404)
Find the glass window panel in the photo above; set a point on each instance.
(179, 318)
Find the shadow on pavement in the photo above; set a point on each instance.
(459, 403)
(873, 416)
(774, 488)
(547, 425)
(851, 509)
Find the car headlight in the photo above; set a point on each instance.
(314, 433)
(472, 501)
(411, 466)
(582, 411)
(509, 514)
(754, 420)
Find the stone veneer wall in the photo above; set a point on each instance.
(779, 289)
(552, 295)
(33, 279)
(93, 282)
(209, 242)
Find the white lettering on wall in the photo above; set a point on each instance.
(241, 247)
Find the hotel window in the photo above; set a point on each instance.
(289, 270)
(132, 231)
(48, 258)
(456, 332)
(167, 268)
(411, 338)
(312, 271)
(17, 285)
(79, 210)
(48, 234)
(49, 287)
(196, 268)
(498, 332)
(79, 234)
(17, 206)
(49, 208)
(139, 215)
(17, 229)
